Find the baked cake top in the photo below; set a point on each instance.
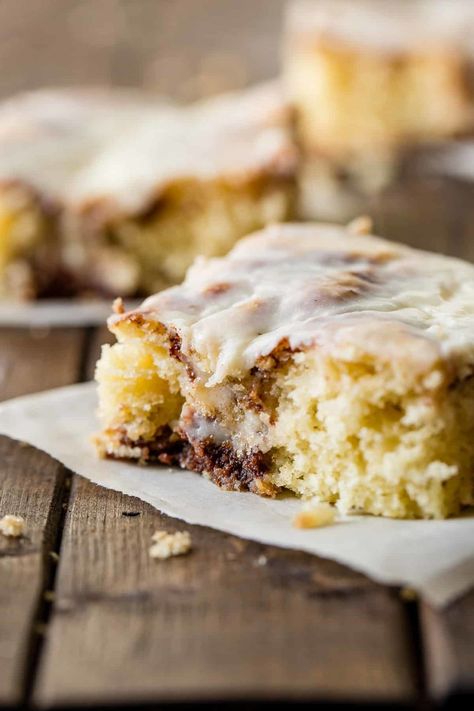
(316, 284)
(122, 148)
(389, 26)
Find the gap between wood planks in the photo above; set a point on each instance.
(217, 624)
(46, 598)
(51, 557)
(36, 487)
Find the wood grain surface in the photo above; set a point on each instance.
(31, 486)
(231, 620)
(449, 645)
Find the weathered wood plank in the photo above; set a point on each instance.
(31, 486)
(221, 623)
(55, 43)
(182, 48)
(432, 214)
(449, 649)
(418, 213)
(34, 360)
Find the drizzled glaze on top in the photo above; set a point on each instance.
(323, 286)
(122, 148)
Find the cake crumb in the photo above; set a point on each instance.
(362, 225)
(118, 306)
(408, 594)
(12, 526)
(315, 516)
(166, 545)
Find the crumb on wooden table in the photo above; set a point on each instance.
(166, 545)
(12, 526)
(408, 594)
(315, 515)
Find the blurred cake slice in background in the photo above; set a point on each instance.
(115, 192)
(374, 80)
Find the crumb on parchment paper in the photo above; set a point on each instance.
(315, 515)
(12, 526)
(166, 545)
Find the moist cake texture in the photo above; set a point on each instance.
(115, 191)
(335, 365)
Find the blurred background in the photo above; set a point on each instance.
(184, 48)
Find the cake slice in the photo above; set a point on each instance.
(375, 85)
(113, 191)
(377, 74)
(312, 359)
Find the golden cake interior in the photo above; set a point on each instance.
(353, 431)
(351, 101)
(192, 217)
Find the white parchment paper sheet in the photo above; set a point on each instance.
(434, 557)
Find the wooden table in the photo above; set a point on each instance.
(86, 617)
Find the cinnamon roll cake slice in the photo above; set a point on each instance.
(312, 359)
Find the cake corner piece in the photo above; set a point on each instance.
(312, 359)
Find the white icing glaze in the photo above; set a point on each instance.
(123, 148)
(322, 285)
(387, 25)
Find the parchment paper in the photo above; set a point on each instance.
(436, 558)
